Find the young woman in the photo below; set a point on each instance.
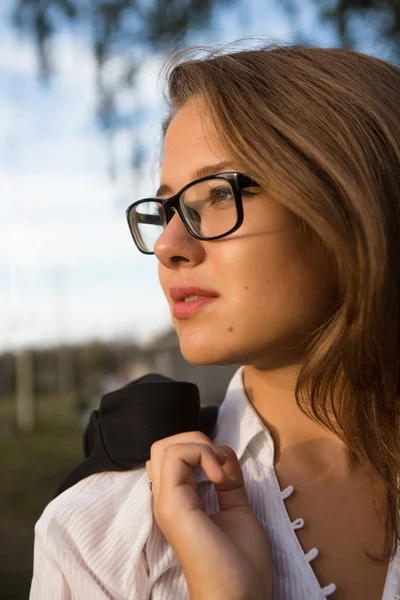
(277, 231)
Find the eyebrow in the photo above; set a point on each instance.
(202, 172)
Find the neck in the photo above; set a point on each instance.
(297, 438)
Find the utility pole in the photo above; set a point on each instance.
(24, 391)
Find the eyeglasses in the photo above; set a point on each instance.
(210, 207)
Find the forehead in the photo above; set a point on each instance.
(190, 142)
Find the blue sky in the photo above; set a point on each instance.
(68, 268)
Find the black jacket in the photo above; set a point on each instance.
(120, 433)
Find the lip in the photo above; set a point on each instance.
(178, 293)
(184, 310)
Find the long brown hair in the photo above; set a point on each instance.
(319, 129)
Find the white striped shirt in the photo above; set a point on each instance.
(99, 539)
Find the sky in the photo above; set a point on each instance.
(69, 270)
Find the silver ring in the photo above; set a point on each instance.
(150, 483)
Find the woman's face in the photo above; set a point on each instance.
(272, 285)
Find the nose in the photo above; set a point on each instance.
(176, 247)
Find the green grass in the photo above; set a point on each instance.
(31, 468)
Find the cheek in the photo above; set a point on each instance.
(266, 252)
(253, 268)
(280, 283)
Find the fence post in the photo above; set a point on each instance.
(24, 391)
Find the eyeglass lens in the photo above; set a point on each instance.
(209, 209)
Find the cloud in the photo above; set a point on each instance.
(72, 55)
(66, 254)
(16, 56)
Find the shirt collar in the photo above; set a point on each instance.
(238, 423)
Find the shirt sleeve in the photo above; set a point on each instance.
(48, 580)
(90, 541)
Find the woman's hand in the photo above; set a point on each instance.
(224, 556)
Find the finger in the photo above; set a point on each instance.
(158, 449)
(186, 436)
(181, 459)
(231, 491)
(176, 481)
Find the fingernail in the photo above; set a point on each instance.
(221, 455)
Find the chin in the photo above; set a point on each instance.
(205, 347)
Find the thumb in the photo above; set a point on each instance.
(231, 492)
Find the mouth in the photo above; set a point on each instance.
(189, 299)
(186, 292)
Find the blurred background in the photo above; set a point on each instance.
(80, 139)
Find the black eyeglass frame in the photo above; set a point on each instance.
(237, 181)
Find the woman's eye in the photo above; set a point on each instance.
(220, 194)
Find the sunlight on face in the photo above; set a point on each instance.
(272, 286)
